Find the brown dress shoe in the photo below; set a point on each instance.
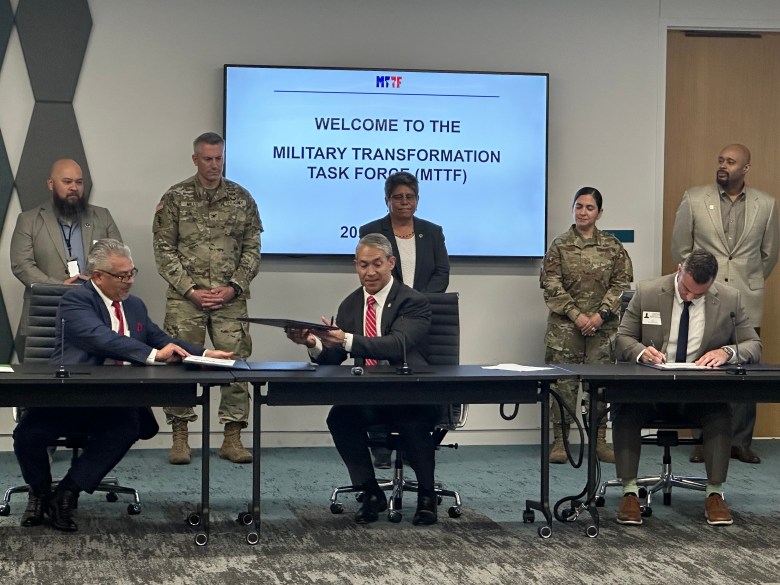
(716, 511)
(745, 454)
(697, 455)
(629, 511)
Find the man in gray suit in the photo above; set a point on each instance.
(692, 317)
(50, 242)
(739, 226)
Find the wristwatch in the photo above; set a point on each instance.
(236, 288)
(729, 351)
(604, 314)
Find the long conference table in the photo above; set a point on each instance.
(39, 385)
(329, 385)
(634, 383)
(32, 385)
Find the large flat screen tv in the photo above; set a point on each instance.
(314, 147)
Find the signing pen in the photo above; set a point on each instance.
(332, 320)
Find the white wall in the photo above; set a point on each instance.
(152, 81)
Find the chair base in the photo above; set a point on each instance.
(396, 486)
(110, 486)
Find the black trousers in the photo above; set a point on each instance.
(110, 434)
(349, 425)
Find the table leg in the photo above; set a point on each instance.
(201, 518)
(593, 420)
(253, 516)
(543, 505)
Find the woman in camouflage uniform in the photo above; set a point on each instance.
(583, 275)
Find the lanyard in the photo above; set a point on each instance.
(67, 237)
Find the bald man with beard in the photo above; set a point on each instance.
(739, 226)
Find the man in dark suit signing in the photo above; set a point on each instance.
(103, 324)
(696, 321)
(375, 323)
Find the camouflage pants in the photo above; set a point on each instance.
(566, 345)
(185, 321)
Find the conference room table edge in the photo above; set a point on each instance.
(36, 385)
(626, 382)
(449, 382)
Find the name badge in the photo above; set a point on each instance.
(651, 318)
(73, 267)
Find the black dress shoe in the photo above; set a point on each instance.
(37, 504)
(745, 454)
(372, 505)
(697, 455)
(62, 504)
(426, 511)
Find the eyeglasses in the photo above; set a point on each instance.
(403, 197)
(123, 277)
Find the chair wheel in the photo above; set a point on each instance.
(245, 518)
(252, 538)
(112, 497)
(599, 501)
(395, 516)
(133, 509)
(193, 519)
(398, 503)
(454, 512)
(5, 509)
(438, 500)
(642, 493)
(668, 499)
(528, 516)
(592, 531)
(545, 531)
(336, 508)
(646, 511)
(201, 539)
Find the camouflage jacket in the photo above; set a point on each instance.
(205, 243)
(585, 276)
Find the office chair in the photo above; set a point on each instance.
(39, 314)
(443, 349)
(666, 436)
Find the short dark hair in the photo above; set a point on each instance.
(401, 178)
(701, 265)
(210, 138)
(589, 191)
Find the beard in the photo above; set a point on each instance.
(67, 210)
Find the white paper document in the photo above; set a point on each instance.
(201, 360)
(678, 366)
(6, 369)
(516, 368)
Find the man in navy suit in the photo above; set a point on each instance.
(103, 324)
(402, 317)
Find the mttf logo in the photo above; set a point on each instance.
(389, 81)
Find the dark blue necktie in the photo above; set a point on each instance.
(682, 335)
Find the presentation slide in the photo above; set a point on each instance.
(314, 147)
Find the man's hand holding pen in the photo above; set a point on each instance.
(653, 356)
(332, 338)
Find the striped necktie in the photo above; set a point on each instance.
(370, 325)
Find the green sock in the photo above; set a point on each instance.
(630, 487)
(713, 488)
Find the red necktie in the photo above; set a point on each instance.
(121, 330)
(370, 325)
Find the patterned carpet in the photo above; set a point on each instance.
(302, 542)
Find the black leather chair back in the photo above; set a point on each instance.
(444, 334)
(39, 321)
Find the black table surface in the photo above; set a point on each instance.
(381, 384)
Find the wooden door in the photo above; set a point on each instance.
(722, 90)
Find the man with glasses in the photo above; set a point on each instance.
(207, 247)
(103, 324)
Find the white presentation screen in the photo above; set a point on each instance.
(314, 147)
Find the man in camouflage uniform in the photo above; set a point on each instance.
(207, 247)
(583, 279)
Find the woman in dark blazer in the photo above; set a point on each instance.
(418, 245)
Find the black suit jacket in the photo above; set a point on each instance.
(432, 265)
(89, 338)
(406, 316)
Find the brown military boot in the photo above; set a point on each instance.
(232, 449)
(558, 450)
(604, 451)
(180, 451)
